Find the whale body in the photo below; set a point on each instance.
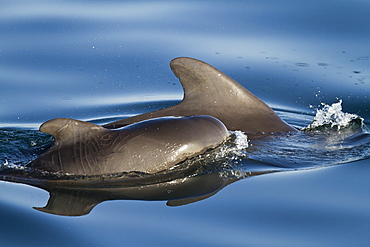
(208, 91)
(150, 146)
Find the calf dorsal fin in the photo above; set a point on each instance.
(65, 128)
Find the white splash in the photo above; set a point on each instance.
(241, 143)
(233, 150)
(332, 115)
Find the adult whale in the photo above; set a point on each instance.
(208, 91)
(151, 146)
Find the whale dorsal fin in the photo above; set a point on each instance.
(65, 128)
(208, 91)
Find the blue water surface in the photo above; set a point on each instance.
(102, 60)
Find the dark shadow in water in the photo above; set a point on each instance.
(78, 195)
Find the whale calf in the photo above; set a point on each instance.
(83, 148)
(208, 91)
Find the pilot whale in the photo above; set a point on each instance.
(208, 91)
(213, 103)
(151, 146)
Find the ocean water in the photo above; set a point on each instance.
(101, 61)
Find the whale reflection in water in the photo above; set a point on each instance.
(177, 192)
(76, 196)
